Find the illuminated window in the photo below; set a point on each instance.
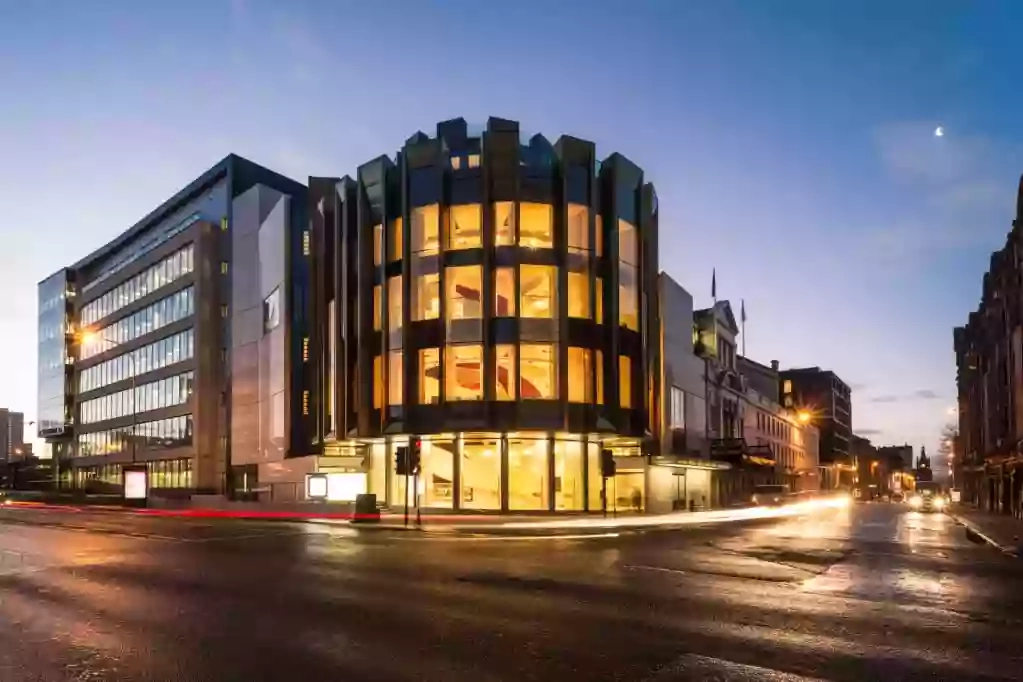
(538, 366)
(505, 368)
(628, 248)
(528, 475)
(306, 250)
(394, 240)
(378, 382)
(395, 377)
(465, 227)
(425, 288)
(787, 388)
(474, 160)
(580, 375)
(598, 241)
(464, 285)
(378, 244)
(223, 267)
(578, 227)
(426, 229)
(305, 349)
(377, 311)
(539, 286)
(625, 381)
(463, 372)
(481, 474)
(599, 299)
(579, 294)
(394, 311)
(456, 162)
(598, 366)
(569, 494)
(504, 223)
(536, 225)
(504, 292)
(429, 376)
(628, 297)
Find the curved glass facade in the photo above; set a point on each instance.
(509, 293)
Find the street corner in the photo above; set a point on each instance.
(1000, 533)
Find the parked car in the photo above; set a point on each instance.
(770, 495)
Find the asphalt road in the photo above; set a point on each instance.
(869, 592)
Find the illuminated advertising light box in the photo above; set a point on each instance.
(345, 487)
(316, 487)
(135, 485)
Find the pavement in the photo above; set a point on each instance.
(860, 592)
(998, 530)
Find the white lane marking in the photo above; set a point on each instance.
(659, 569)
(510, 538)
(697, 667)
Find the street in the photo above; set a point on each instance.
(864, 592)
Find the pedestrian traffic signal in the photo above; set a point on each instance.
(415, 455)
(401, 460)
(607, 463)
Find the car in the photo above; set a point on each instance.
(770, 495)
(898, 497)
(928, 500)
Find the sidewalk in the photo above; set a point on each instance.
(998, 530)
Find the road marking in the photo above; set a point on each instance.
(510, 538)
(697, 667)
(659, 569)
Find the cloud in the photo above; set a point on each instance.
(869, 432)
(925, 394)
(885, 399)
(919, 394)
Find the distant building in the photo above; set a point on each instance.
(897, 457)
(761, 378)
(12, 434)
(871, 470)
(827, 399)
(794, 444)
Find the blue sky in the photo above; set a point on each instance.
(791, 144)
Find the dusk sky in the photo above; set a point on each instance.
(792, 145)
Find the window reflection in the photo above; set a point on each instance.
(426, 229)
(175, 390)
(625, 381)
(538, 290)
(505, 369)
(527, 474)
(425, 288)
(463, 372)
(539, 371)
(177, 306)
(394, 314)
(465, 227)
(162, 433)
(536, 225)
(628, 297)
(173, 267)
(429, 376)
(481, 474)
(628, 248)
(504, 292)
(394, 240)
(156, 355)
(578, 227)
(395, 378)
(504, 223)
(580, 375)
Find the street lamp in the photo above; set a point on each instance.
(92, 337)
(803, 416)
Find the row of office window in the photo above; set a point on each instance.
(161, 433)
(532, 226)
(167, 310)
(773, 426)
(174, 266)
(537, 298)
(171, 473)
(148, 358)
(464, 366)
(175, 390)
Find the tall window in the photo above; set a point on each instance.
(378, 244)
(378, 382)
(598, 238)
(578, 287)
(580, 375)
(578, 227)
(628, 246)
(539, 286)
(426, 229)
(394, 240)
(528, 476)
(569, 493)
(625, 381)
(465, 227)
(538, 365)
(394, 311)
(628, 279)
(463, 372)
(481, 474)
(504, 223)
(377, 310)
(425, 288)
(598, 298)
(536, 225)
(598, 366)
(429, 376)
(395, 377)
(505, 369)
(464, 286)
(504, 292)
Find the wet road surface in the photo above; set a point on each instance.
(861, 593)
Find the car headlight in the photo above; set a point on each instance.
(916, 502)
(939, 502)
(755, 500)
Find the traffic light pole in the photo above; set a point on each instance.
(406, 498)
(419, 518)
(603, 494)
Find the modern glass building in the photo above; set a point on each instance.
(493, 294)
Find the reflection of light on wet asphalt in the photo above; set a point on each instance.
(690, 518)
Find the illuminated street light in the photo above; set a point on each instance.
(804, 416)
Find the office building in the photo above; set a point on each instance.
(135, 339)
(12, 434)
(828, 401)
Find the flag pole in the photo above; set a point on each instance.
(743, 332)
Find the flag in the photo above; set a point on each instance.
(714, 284)
(742, 311)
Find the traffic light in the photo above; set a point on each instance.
(401, 460)
(607, 463)
(415, 455)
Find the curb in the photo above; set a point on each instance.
(969, 525)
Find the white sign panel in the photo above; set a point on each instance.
(316, 487)
(135, 485)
